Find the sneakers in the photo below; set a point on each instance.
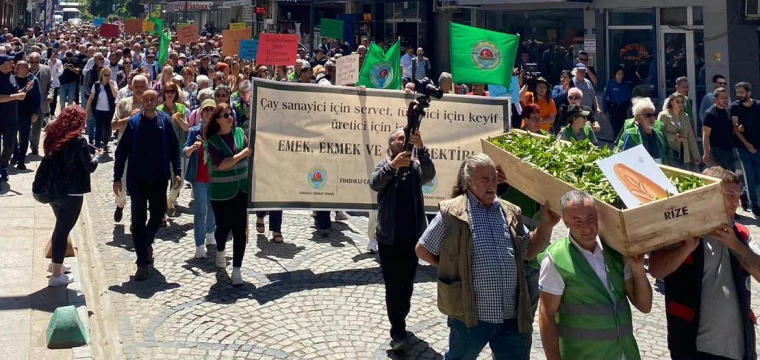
(200, 252)
(221, 260)
(64, 268)
(339, 216)
(210, 239)
(237, 279)
(62, 280)
(117, 214)
(372, 246)
(142, 273)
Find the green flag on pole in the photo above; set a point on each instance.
(163, 48)
(381, 70)
(480, 56)
(159, 28)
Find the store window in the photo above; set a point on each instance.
(632, 47)
(674, 16)
(407, 21)
(550, 38)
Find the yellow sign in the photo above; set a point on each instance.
(148, 26)
(235, 26)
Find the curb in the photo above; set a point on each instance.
(106, 342)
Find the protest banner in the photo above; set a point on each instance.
(277, 49)
(231, 40)
(248, 49)
(98, 21)
(316, 146)
(133, 26)
(347, 70)
(109, 30)
(331, 28)
(187, 34)
(148, 26)
(236, 26)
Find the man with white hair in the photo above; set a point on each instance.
(644, 132)
(479, 244)
(574, 97)
(44, 77)
(125, 109)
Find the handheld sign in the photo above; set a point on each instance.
(331, 28)
(109, 30)
(231, 40)
(187, 34)
(496, 90)
(235, 26)
(277, 49)
(148, 26)
(98, 21)
(133, 26)
(347, 70)
(249, 49)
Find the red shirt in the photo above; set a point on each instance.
(202, 175)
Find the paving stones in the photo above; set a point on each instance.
(312, 297)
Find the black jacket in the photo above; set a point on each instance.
(73, 165)
(383, 179)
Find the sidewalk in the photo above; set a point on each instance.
(26, 302)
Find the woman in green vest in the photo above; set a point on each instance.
(578, 128)
(174, 107)
(645, 132)
(227, 153)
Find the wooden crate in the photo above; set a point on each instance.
(631, 231)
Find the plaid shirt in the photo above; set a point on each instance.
(494, 270)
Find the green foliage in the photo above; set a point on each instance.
(112, 18)
(129, 9)
(99, 8)
(576, 165)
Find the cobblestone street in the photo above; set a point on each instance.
(312, 297)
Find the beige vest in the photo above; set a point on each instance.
(456, 297)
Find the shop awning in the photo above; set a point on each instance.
(502, 2)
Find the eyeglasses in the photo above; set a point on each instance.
(648, 115)
(226, 115)
(207, 109)
(722, 83)
(170, 91)
(220, 95)
(574, 97)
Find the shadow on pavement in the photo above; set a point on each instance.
(121, 239)
(273, 251)
(334, 235)
(156, 282)
(46, 299)
(420, 350)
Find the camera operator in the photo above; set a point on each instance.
(401, 221)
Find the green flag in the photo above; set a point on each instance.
(159, 28)
(381, 70)
(480, 56)
(163, 48)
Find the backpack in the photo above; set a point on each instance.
(43, 187)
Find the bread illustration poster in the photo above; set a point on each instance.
(636, 177)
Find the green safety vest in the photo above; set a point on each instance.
(571, 136)
(666, 155)
(225, 184)
(591, 324)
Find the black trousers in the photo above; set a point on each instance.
(22, 146)
(698, 356)
(398, 263)
(54, 104)
(8, 133)
(231, 215)
(153, 199)
(102, 128)
(66, 210)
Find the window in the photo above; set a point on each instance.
(631, 17)
(633, 50)
(674, 16)
(697, 15)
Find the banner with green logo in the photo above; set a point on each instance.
(480, 56)
(331, 28)
(381, 70)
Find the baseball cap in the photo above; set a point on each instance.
(5, 57)
(576, 110)
(580, 66)
(208, 103)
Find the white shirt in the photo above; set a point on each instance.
(102, 104)
(406, 65)
(56, 70)
(551, 282)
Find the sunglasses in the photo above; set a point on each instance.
(722, 83)
(648, 115)
(226, 115)
(574, 97)
(170, 91)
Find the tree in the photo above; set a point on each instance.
(100, 8)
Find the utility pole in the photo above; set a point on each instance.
(312, 9)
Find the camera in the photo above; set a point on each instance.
(531, 74)
(426, 87)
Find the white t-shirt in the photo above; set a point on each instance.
(102, 104)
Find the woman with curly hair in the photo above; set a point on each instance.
(72, 164)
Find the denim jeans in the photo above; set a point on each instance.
(723, 158)
(751, 168)
(67, 92)
(91, 128)
(102, 128)
(466, 344)
(203, 215)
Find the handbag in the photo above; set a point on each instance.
(42, 187)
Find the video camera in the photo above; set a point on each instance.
(531, 74)
(416, 109)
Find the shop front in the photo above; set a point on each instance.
(292, 16)
(198, 12)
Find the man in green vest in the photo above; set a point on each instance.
(585, 288)
(645, 131)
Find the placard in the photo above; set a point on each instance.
(148, 26)
(187, 34)
(109, 31)
(331, 28)
(249, 49)
(496, 90)
(231, 40)
(347, 70)
(235, 26)
(589, 45)
(636, 177)
(320, 144)
(98, 21)
(277, 49)
(133, 26)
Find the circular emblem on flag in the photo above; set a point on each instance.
(317, 177)
(431, 186)
(381, 74)
(486, 55)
